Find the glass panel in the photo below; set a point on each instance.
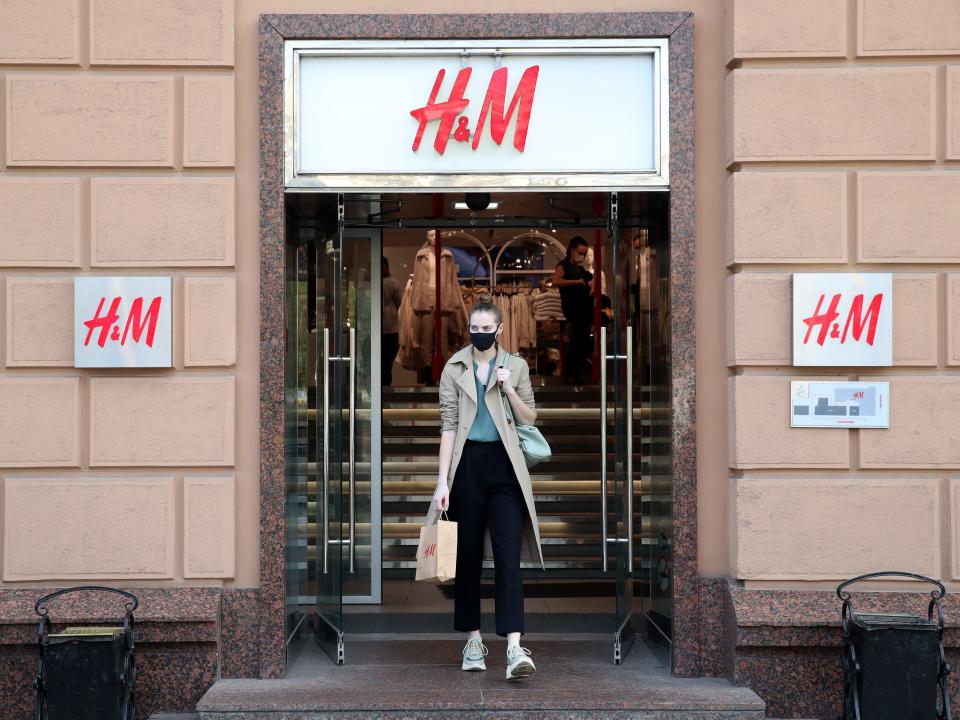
(659, 510)
(620, 373)
(647, 228)
(329, 442)
(361, 285)
(296, 451)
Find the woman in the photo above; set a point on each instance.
(573, 281)
(491, 496)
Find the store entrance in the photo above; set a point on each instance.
(369, 327)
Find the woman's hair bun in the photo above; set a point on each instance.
(485, 304)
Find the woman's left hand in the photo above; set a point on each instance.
(503, 377)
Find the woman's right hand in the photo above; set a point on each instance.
(441, 497)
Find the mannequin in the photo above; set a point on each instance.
(588, 266)
(417, 344)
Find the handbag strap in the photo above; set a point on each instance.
(506, 404)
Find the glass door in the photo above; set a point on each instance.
(644, 252)
(616, 346)
(347, 522)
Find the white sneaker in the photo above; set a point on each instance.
(519, 664)
(473, 654)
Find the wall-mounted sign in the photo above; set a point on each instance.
(844, 404)
(121, 322)
(477, 113)
(843, 319)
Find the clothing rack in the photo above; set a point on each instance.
(512, 287)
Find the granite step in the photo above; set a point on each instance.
(576, 680)
(513, 714)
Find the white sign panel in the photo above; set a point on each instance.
(844, 404)
(843, 319)
(122, 322)
(428, 110)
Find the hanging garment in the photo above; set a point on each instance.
(417, 326)
(526, 325)
(424, 287)
(503, 304)
(408, 331)
(547, 305)
(421, 353)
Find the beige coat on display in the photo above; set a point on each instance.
(458, 408)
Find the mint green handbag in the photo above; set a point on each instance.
(534, 445)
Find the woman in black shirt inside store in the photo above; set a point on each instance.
(573, 281)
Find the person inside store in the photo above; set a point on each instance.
(573, 281)
(392, 295)
(484, 393)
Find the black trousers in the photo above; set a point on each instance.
(486, 494)
(389, 347)
(579, 348)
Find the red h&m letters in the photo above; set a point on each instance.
(494, 102)
(109, 326)
(855, 316)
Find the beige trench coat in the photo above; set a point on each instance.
(458, 408)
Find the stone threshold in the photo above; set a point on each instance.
(512, 714)
(422, 678)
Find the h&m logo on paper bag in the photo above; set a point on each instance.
(122, 322)
(843, 319)
(494, 102)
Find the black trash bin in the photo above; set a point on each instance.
(86, 673)
(894, 667)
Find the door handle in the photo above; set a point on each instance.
(603, 445)
(629, 375)
(324, 504)
(353, 444)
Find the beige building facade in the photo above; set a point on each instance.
(825, 138)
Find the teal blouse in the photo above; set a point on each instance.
(483, 429)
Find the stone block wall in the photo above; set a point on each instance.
(843, 130)
(839, 161)
(118, 154)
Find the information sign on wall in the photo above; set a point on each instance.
(844, 404)
(843, 319)
(122, 322)
(477, 113)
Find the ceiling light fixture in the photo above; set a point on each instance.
(464, 206)
(476, 202)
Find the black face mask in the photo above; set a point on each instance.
(483, 341)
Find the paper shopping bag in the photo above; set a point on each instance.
(437, 553)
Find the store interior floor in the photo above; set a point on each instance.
(423, 610)
(407, 596)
